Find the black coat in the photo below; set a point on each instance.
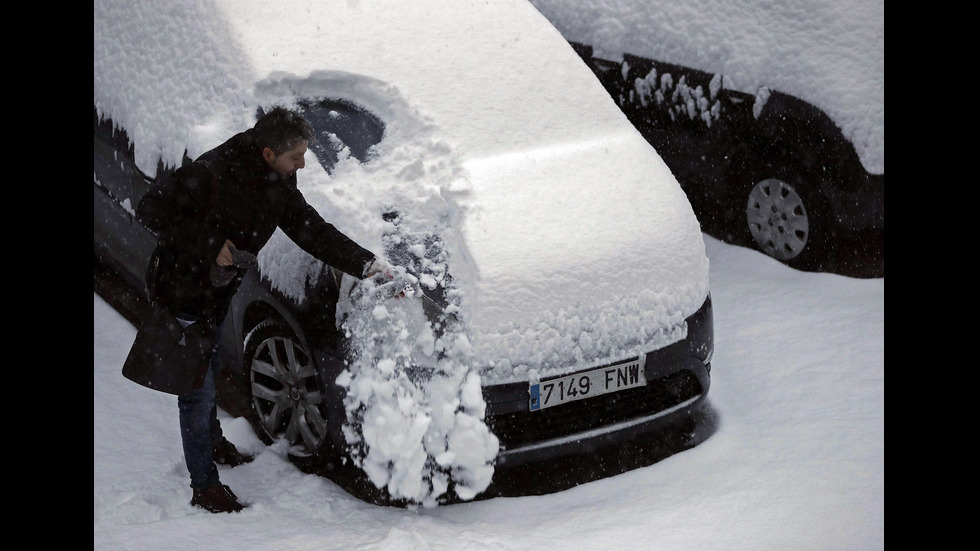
(230, 193)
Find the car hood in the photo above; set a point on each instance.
(588, 273)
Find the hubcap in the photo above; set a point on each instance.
(286, 395)
(777, 219)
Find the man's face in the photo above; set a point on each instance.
(288, 162)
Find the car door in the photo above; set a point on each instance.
(118, 186)
(686, 115)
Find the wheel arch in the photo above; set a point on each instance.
(259, 311)
(751, 165)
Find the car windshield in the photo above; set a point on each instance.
(341, 125)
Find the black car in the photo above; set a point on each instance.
(284, 351)
(769, 171)
(299, 401)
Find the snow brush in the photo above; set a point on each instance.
(374, 290)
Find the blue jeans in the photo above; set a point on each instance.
(199, 426)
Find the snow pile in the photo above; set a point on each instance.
(415, 404)
(415, 408)
(830, 53)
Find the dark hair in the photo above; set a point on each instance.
(280, 129)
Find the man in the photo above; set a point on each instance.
(211, 218)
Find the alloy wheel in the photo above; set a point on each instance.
(286, 397)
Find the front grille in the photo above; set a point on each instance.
(525, 427)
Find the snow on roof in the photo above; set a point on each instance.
(830, 53)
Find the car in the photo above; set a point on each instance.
(535, 317)
(763, 168)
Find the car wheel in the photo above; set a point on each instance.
(286, 398)
(778, 219)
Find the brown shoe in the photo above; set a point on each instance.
(225, 453)
(217, 498)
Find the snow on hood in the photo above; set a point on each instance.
(571, 241)
(830, 53)
(600, 259)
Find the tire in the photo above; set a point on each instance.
(286, 400)
(777, 218)
(787, 222)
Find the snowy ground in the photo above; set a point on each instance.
(796, 460)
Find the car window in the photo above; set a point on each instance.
(341, 125)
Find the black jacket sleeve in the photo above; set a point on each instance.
(173, 209)
(304, 225)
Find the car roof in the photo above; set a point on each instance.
(248, 48)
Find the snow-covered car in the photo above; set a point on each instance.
(771, 118)
(554, 277)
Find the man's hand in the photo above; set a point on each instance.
(379, 266)
(387, 282)
(224, 257)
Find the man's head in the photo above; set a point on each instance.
(283, 137)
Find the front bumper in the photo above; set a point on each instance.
(678, 378)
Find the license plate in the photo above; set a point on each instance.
(587, 384)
